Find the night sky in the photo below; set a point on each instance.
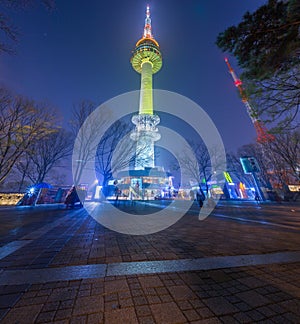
(82, 51)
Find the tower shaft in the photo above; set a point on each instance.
(146, 97)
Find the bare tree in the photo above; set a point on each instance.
(22, 123)
(101, 144)
(79, 115)
(284, 152)
(45, 154)
(279, 160)
(200, 167)
(278, 99)
(87, 126)
(116, 151)
(24, 167)
(8, 31)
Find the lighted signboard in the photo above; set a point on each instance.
(228, 177)
(250, 164)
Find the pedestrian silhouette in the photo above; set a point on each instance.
(200, 197)
(257, 198)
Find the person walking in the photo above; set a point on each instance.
(71, 198)
(117, 194)
(257, 198)
(200, 197)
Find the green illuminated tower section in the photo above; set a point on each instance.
(146, 60)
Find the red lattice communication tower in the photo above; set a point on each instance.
(262, 133)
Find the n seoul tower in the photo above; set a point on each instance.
(146, 59)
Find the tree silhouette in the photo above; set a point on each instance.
(266, 45)
(22, 123)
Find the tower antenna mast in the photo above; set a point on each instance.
(261, 131)
(147, 28)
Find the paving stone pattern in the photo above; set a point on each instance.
(263, 293)
(240, 295)
(188, 238)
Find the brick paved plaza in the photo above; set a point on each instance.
(239, 265)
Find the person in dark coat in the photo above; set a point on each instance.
(257, 198)
(200, 197)
(71, 198)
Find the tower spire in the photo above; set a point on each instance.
(147, 28)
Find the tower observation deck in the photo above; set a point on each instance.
(146, 59)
